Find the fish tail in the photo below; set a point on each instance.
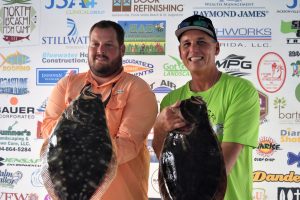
(4, 60)
(27, 37)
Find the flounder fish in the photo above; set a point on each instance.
(191, 164)
(79, 160)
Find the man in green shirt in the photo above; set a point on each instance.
(233, 104)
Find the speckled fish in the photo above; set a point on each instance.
(191, 164)
(79, 161)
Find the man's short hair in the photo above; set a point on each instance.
(110, 24)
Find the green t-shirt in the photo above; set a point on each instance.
(233, 108)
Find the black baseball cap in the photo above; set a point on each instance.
(196, 22)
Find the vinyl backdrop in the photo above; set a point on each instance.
(43, 41)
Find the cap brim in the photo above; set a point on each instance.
(178, 32)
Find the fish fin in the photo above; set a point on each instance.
(44, 147)
(165, 195)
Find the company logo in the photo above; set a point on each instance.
(154, 181)
(244, 33)
(291, 193)
(14, 62)
(85, 7)
(293, 158)
(137, 67)
(20, 162)
(261, 176)
(291, 27)
(72, 40)
(15, 140)
(296, 68)
(244, 37)
(289, 135)
(121, 5)
(72, 27)
(16, 112)
(291, 6)
(10, 179)
(165, 86)
(285, 117)
(233, 9)
(294, 53)
(266, 148)
(36, 178)
(42, 107)
(264, 106)
(259, 194)
(50, 76)
(144, 37)
(64, 58)
(233, 64)
(17, 196)
(231, 13)
(19, 20)
(15, 86)
(271, 72)
(146, 8)
(297, 92)
(176, 68)
(40, 111)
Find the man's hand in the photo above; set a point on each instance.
(168, 120)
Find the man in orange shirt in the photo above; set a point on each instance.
(131, 108)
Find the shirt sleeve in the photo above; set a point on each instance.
(242, 118)
(55, 107)
(137, 120)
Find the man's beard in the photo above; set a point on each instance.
(106, 70)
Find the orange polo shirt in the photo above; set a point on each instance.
(130, 114)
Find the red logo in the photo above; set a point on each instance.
(271, 72)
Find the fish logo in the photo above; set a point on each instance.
(10, 2)
(10, 38)
(15, 59)
(293, 158)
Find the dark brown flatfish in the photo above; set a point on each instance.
(191, 164)
(79, 161)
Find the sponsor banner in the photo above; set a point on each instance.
(44, 41)
(20, 21)
(50, 76)
(144, 37)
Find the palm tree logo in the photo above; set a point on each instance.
(296, 68)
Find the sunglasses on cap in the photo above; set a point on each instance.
(199, 22)
(196, 22)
